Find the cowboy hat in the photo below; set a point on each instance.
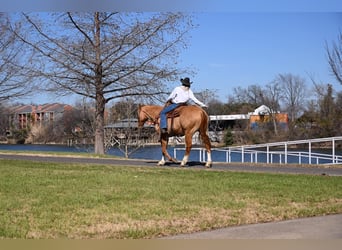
(186, 81)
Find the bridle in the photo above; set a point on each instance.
(150, 117)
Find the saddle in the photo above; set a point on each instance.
(175, 113)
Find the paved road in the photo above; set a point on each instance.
(314, 170)
(323, 227)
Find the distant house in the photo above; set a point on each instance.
(262, 115)
(25, 116)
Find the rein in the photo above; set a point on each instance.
(153, 119)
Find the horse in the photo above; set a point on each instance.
(191, 119)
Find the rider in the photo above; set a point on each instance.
(178, 96)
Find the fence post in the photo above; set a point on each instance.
(285, 160)
(309, 152)
(333, 151)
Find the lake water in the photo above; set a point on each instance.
(147, 152)
(154, 153)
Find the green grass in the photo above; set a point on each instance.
(51, 200)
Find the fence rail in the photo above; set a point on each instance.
(280, 152)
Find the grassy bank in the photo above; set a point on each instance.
(50, 200)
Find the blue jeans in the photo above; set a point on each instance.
(163, 113)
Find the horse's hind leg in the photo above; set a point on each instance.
(207, 144)
(188, 145)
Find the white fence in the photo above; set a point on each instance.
(317, 151)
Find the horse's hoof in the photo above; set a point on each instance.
(161, 163)
(183, 164)
(208, 164)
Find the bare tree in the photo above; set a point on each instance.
(327, 113)
(251, 95)
(271, 96)
(335, 58)
(14, 82)
(294, 94)
(106, 56)
(4, 121)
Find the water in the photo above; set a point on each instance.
(154, 153)
(147, 152)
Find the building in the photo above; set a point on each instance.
(259, 116)
(262, 115)
(25, 116)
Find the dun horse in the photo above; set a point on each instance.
(190, 120)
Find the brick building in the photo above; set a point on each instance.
(25, 116)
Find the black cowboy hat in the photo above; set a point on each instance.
(186, 81)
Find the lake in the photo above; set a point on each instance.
(154, 153)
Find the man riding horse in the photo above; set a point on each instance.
(189, 120)
(179, 96)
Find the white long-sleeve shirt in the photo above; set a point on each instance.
(182, 94)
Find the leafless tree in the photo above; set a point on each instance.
(14, 82)
(335, 58)
(106, 56)
(294, 94)
(4, 121)
(271, 96)
(252, 95)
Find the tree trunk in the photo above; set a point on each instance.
(100, 100)
(99, 125)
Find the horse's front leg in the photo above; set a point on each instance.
(162, 161)
(164, 141)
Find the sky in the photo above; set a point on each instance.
(230, 50)
(237, 43)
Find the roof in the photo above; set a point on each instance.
(53, 107)
(126, 123)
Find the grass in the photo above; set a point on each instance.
(50, 200)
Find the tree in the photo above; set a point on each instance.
(106, 56)
(327, 113)
(335, 58)
(127, 136)
(4, 121)
(13, 79)
(294, 94)
(271, 96)
(251, 95)
(79, 122)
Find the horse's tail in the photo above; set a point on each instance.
(203, 130)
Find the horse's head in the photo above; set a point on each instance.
(142, 116)
(148, 113)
